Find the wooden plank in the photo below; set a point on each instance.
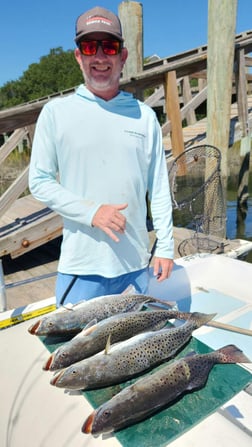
(191, 105)
(23, 207)
(241, 88)
(187, 96)
(155, 97)
(17, 136)
(173, 112)
(30, 244)
(14, 191)
(28, 237)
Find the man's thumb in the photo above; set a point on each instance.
(122, 206)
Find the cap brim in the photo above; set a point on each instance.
(82, 35)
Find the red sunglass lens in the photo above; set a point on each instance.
(90, 47)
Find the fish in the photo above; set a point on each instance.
(119, 327)
(153, 392)
(128, 358)
(72, 321)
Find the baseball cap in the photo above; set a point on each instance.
(98, 20)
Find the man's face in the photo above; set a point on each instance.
(101, 71)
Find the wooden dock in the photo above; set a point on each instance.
(30, 232)
(31, 277)
(195, 134)
(27, 224)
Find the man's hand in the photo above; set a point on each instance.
(162, 268)
(109, 219)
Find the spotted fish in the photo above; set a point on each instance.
(151, 393)
(72, 321)
(119, 327)
(128, 358)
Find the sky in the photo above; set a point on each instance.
(30, 29)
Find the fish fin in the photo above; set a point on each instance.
(77, 305)
(68, 306)
(197, 383)
(199, 318)
(157, 305)
(190, 354)
(232, 354)
(159, 326)
(88, 329)
(165, 303)
(108, 344)
(130, 290)
(91, 323)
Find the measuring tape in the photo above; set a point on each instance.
(26, 316)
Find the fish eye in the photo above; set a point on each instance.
(107, 413)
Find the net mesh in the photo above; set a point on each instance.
(197, 197)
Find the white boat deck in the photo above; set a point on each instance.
(33, 413)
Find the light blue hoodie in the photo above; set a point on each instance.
(102, 152)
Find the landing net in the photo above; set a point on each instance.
(198, 200)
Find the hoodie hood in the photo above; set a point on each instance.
(124, 103)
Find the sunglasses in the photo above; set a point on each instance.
(109, 47)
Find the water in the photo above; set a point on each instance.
(238, 222)
(240, 227)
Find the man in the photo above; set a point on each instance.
(95, 155)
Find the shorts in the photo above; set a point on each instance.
(73, 289)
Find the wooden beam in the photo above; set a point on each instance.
(173, 112)
(131, 16)
(186, 64)
(14, 191)
(193, 104)
(31, 235)
(187, 97)
(220, 57)
(17, 136)
(241, 89)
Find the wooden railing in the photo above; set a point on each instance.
(21, 183)
(192, 64)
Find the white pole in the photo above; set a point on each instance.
(3, 300)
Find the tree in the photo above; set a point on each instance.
(55, 72)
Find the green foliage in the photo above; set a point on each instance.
(55, 72)
(194, 82)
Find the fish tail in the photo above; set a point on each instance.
(199, 318)
(231, 354)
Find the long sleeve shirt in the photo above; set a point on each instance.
(88, 152)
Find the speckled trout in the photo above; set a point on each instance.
(150, 393)
(72, 321)
(119, 327)
(128, 358)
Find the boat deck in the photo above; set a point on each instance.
(31, 277)
(34, 412)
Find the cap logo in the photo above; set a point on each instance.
(94, 20)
